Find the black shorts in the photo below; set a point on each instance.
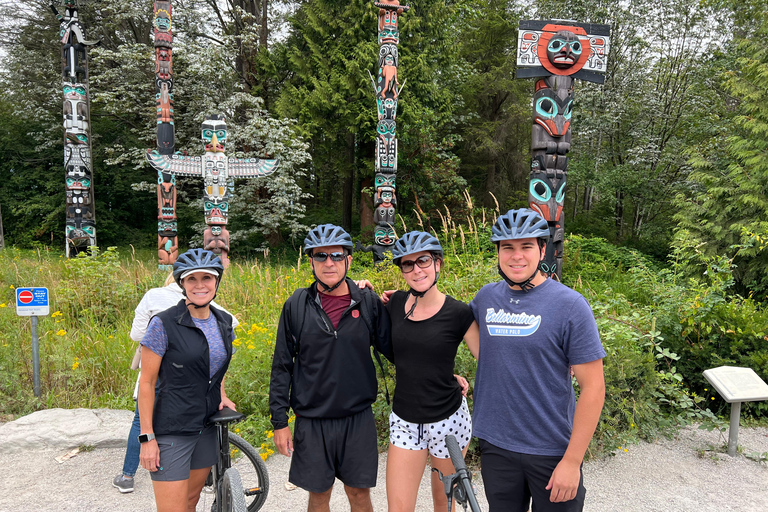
(326, 449)
(511, 479)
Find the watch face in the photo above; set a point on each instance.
(143, 438)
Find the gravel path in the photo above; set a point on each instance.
(680, 475)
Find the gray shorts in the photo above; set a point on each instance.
(180, 454)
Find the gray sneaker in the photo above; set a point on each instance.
(122, 483)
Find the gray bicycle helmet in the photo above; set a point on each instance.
(517, 224)
(413, 242)
(197, 259)
(326, 235)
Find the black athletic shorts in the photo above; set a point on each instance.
(326, 449)
(511, 479)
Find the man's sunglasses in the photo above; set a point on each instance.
(322, 256)
(422, 261)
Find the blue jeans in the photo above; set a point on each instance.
(132, 451)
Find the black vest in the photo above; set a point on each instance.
(186, 395)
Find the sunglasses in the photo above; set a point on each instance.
(422, 261)
(322, 256)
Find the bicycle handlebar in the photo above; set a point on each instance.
(463, 475)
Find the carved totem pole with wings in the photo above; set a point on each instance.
(217, 170)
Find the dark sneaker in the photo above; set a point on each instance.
(122, 483)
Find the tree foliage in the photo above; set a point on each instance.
(728, 212)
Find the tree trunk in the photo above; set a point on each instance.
(619, 213)
(588, 196)
(2, 238)
(637, 221)
(347, 187)
(366, 208)
(575, 202)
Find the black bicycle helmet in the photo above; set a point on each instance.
(326, 235)
(413, 242)
(197, 259)
(517, 224)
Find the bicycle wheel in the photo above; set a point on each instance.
(233, 497)
(253, 472)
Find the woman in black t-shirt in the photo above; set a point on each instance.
(427, 329)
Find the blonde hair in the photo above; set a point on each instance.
(169, 279)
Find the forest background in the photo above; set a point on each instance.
(666, 205)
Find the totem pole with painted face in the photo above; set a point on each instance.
(167, 224)
(218, 172)
(556, 52)
(386, 89)
(80, 218)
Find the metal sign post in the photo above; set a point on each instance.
(736, 385)
(33, 302)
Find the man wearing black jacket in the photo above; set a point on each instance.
(322, 369)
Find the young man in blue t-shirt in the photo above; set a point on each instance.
(533, 332)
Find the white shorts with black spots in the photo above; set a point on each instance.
(420, 436)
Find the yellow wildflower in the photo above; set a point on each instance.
(2, 305)
(263, 456)
(236, 342)
(56, 313)
(76, 363)
(251, 346)
(291, 419)
(270, 434)
(61, 332)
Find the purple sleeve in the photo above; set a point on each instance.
(156, 339)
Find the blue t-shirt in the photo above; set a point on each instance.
(156, 339)
(524, 399)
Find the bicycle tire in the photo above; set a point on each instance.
(252, 470)
(233, 497)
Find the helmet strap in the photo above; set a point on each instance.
(524, 285)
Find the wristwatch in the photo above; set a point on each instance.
(143, 438)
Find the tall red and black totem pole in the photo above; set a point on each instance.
(167, 224)
(387, 89)
(555, 53)
(80, 219)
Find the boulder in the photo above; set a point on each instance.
(64, 429)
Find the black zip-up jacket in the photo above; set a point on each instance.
(186, 395)
(333, 375)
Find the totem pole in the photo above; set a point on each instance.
(556, 52)
(167, 225)
(79, 224)
(386, 88)
(217, 171)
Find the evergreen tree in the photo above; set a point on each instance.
(728, 213)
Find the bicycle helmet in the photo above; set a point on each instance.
(326, 235)
(413, 242)
(197, 260)
(517, 224)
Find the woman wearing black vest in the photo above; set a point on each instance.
(185, 354)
